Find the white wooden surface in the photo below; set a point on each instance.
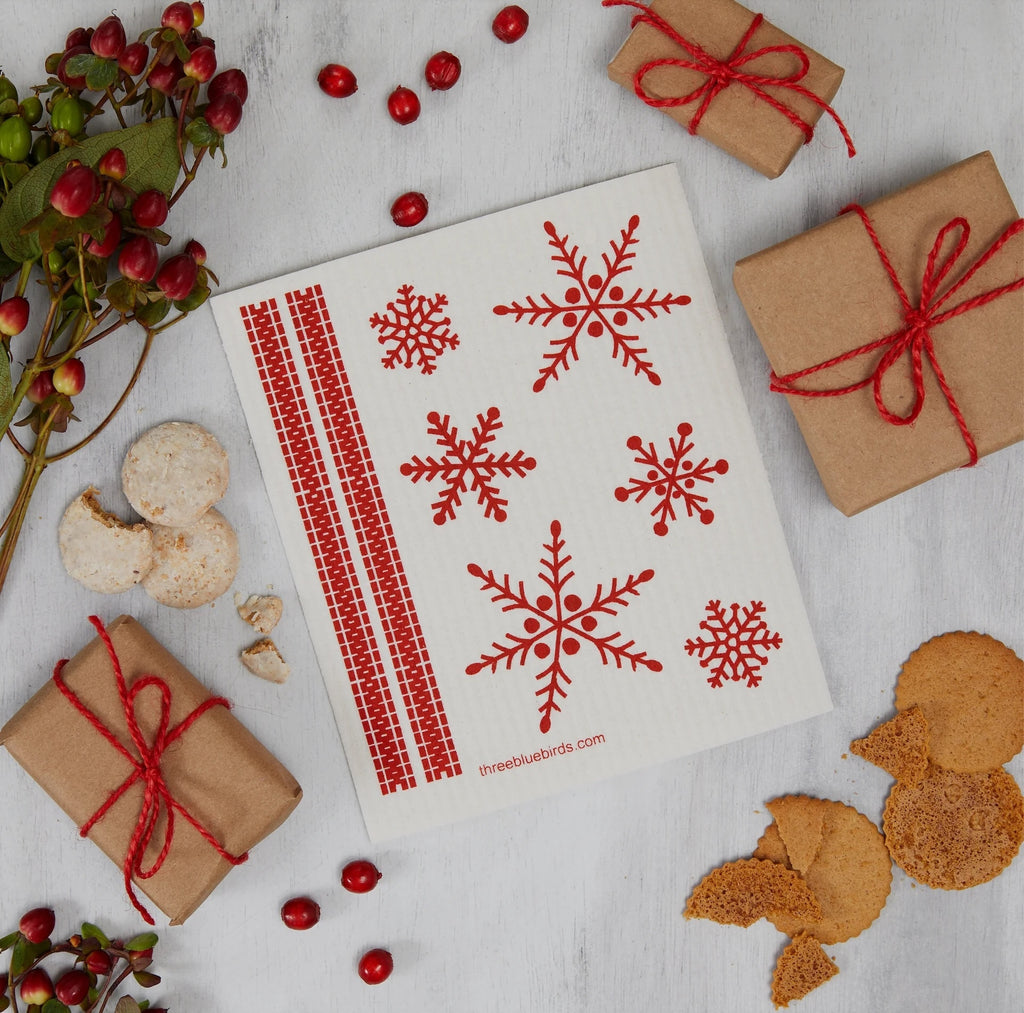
(571, 904)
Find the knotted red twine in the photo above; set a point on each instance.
(914, 337)
(722, 73)
(145, 767)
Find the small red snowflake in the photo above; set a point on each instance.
(593, 304)
(671, 478)
(467, 460)
(738, 646)
(558, 624)
(415, 329)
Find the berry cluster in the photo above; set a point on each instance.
(92, 967)
(359, 876)
(441, 72)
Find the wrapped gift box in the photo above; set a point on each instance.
(216, 771)
(827, 295)
(737, 119)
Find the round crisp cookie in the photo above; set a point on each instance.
(970, 688)
(193, 565)
(174, 473)
(955, 829)
(99, 550)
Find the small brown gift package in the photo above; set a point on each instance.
(825, 293)
(737, 119)
(216, 771)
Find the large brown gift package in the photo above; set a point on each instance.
(736, 120)
(216, 771)
(827, 293)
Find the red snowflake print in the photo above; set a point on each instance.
(557, 624)
(671, 478)
(416, 331)
(738, 646)
(467, 461)
(593, 304)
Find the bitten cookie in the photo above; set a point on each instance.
(174, 473)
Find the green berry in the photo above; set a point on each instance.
(67, 114)
(15, 139)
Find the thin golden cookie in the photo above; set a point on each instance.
(954, 830)
(772, 847)
(850, 875)
(741, 892)
(801, 824)
(802, 966)
(899, 746)
(971, 690)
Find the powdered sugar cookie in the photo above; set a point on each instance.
(174, 473)
(99, 550)
(192, 565)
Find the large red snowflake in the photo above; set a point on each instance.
(738, 645)
(595, 305)
(671, 478)
(557, 624)
(467, 461)
(415, 329)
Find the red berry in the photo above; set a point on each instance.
(99, 962)
(224, 113)
(150, 209)
(134, 58)
(69, 378)
(177, 277)
(138, 259)
(72, 987)
(165, 76)
(113, 164)
(375, 966)
(196, 251)
(39, 390)
(13, 315)
(77, 37)
(360, 876)
(105, 246)
(37, 924)
(36, 986)
(198, 13)
(337, 81)
(403, 105)
(408, 210)
(178, 16)
(300, 913)
(229, 82)
(202, 64)
(75, 191)
(510, 23)
(442, 71)
(74, 83)
(108, 41)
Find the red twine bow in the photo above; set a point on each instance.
(914, 337)
(722, 73)
(145, 767)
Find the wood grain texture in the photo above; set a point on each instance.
(573, 904)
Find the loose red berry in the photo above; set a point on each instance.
(75, 191)
(403, 105)
(337, 81)
(196, 251)
(36, 986)
(442, 71)
(510, 23)
(134, 58)
(376, 966)
(178, 16)
(108, 41)
(202, 64)
(150, 209)
(99, 962)
(360, 876)
(138, 259)
(113, 164)
(37, 924)
(408, 210)
(229, 82)
(69, 378)
(224, 113)
(13, 315)
(72, 987)
(165, 76)
(105, 246)
(177, 277)
(300, 913)
(39, 390)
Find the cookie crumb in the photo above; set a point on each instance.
(261, 611)
(264, 660)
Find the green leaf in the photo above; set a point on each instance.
(15, 172)
(102, 75)
(90, 931)
(121, 295)
(4, 1003)
(8, 941)
(200, 134)
(146, 979)
(26, 953)
(126, 1004)
(149, 314)
(80, 64)
(143, 941)
(54, 1006)
(150, 149)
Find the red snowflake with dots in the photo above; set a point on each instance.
(738, 644)
(672, 478)
(593, 304)
(557, 624)
(416, 330)
(467, 466)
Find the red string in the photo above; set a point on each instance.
(145, 767)
(722, 73)
(914, 337)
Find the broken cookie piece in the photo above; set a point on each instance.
(261, 611)
(899, 746)
(802, 966)
(264, 659)
(741, 892)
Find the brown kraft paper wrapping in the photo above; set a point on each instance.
(216, 770)
(826, 292)
(736, 120)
